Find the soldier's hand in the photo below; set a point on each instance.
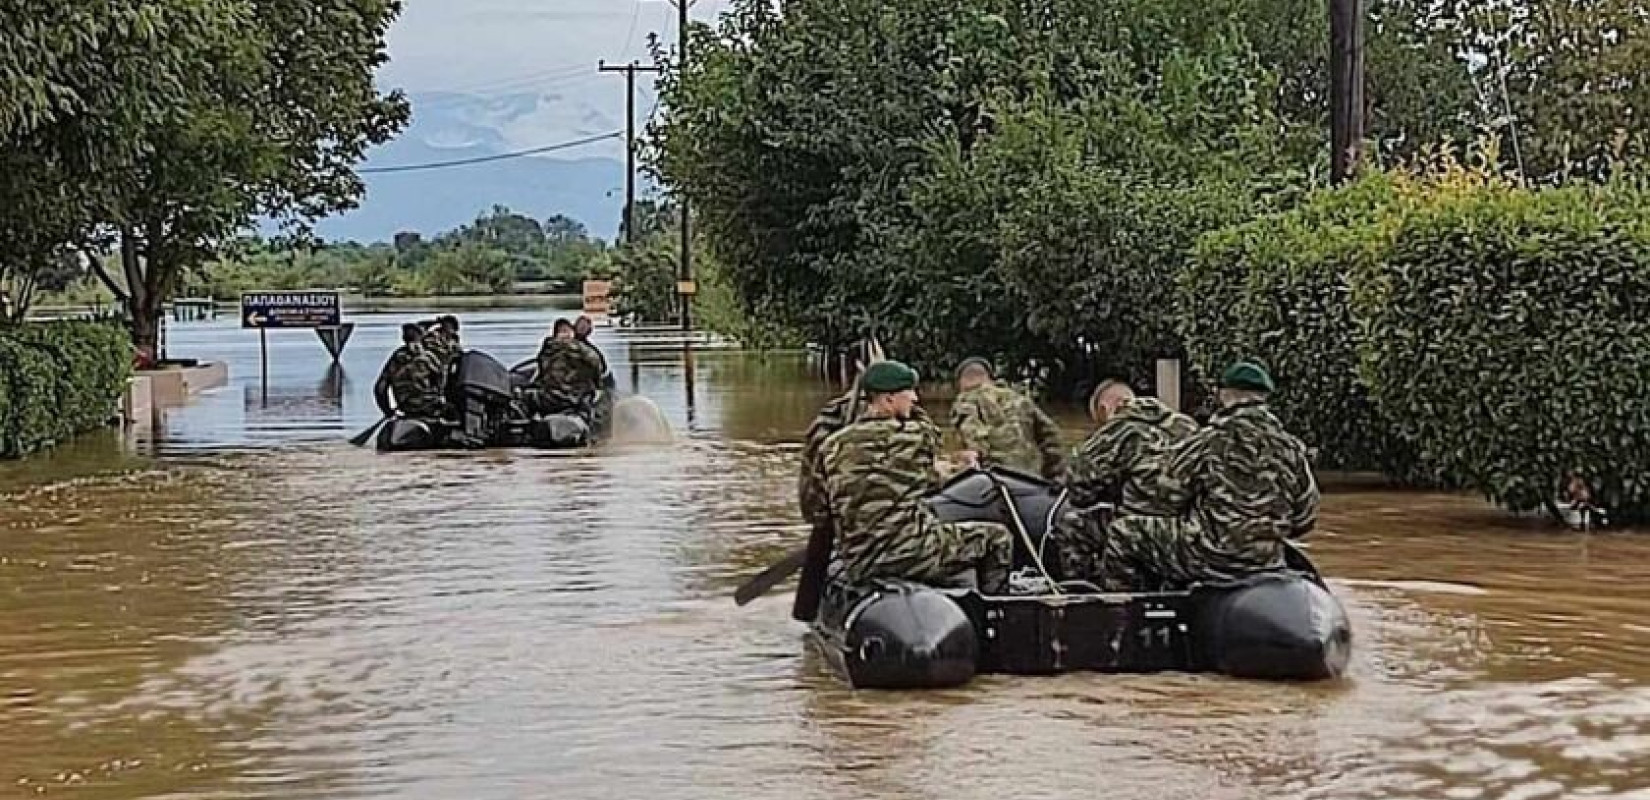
(969, 459)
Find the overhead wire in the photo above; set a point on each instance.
(464, 162)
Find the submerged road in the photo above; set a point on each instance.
(242, 605)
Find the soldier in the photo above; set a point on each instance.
(876, 472)
(1002, 427)
(441, 339)
(1120, 464)
(582, 328)
(569, 373)
(413, 376)
(1241, 487)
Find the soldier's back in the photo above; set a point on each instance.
(1256, 472)
(876, 473)
(1000, 424)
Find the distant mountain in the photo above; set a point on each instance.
(584, 183)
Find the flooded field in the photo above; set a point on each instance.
(243, 605)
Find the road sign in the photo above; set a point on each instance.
(264, 310)
(334, 338)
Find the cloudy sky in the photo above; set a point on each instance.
(495, 48)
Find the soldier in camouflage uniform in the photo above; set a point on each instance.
(441, 339)
(569, 373)
(1002, 427)
(1120, 464)
(1243, 485)
(876, 472)
(412, 377)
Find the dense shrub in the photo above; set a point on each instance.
(58, 380)
(1276, 290)
(1507, 334)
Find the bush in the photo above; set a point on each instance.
(58, 380)
(1276, 290)
(1505, 333)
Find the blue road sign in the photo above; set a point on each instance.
(263, 310)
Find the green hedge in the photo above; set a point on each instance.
(1507, 334)
(58, 380)
(1276, 290)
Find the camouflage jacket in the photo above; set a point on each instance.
(876, 473)
(1122, 462)
(568, 369)
(810, 484)
(414, 377)
(442, 344)
(1007, 429)
(1244, 479)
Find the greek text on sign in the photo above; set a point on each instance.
(290, 310)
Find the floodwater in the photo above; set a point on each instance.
(243, 605)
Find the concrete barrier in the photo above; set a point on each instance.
(172, 386)
(137, 406)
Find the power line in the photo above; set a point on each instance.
(464, 162)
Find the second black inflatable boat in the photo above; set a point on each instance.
(900, 635)
(491, 413)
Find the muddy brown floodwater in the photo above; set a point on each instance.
(243, 605)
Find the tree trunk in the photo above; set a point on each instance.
(141, 304)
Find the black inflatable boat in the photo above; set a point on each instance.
(493, 412)
(902, 635)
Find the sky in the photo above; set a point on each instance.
(505, 45)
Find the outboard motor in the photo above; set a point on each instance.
(482, 393)
(1279, 627)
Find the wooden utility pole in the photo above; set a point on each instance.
(685, 286)
(629, 71)
(1346, 87)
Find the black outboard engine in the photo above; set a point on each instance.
(481, 391)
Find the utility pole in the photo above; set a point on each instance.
(629, 71)
(685, 286)
(1346, 87)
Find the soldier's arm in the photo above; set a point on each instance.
(971, 426)
(1182, 477)
(381, 391)
(1048, 441)
(810, 483)
(1099, 464)
(1304, 516)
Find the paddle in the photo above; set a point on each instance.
(361, 438)
(771, 577)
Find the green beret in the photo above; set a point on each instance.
(973, 362)
(888, 376)
(1246, 375)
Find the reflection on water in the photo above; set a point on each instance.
(249, 607)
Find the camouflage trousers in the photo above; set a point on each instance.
(426, 406)
(1142, 553)
(939, 551)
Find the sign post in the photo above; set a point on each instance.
(320, 311)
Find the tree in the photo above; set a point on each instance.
(275, 128)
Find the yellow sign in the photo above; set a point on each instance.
(687, 287)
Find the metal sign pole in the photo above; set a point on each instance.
(263, 361)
